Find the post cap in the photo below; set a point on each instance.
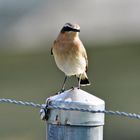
(76, 98)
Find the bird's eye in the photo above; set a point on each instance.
(66, 29)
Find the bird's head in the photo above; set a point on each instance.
(72, 29)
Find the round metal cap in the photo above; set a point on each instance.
(76, 98)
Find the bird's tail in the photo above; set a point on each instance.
(84, 80)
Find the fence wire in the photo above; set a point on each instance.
(35, 105)
(12, 101)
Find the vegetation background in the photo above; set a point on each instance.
(110, 33)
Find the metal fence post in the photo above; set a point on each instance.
(75, 125)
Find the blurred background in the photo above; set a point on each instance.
(110, 31)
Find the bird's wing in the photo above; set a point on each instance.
(84, 53)
(52, 47)
(51, 50)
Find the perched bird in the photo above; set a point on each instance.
(70, 55)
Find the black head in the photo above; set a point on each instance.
(70, 27)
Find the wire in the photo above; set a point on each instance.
(49, 106)
(3, 100)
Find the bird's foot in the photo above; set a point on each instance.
(79, 86)
(72, 88)
(62, 90)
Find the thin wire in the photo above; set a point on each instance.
(32, 104)
(109, 112)
(3, 100)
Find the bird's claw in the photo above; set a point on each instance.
(72, 88)
(62, 90)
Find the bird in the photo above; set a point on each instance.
(70, 54)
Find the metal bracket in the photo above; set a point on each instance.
(44, 111)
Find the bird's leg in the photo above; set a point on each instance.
(63, 86)
(79, 80)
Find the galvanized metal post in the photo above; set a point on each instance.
(75, 125)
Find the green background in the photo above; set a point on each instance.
(114, 71)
